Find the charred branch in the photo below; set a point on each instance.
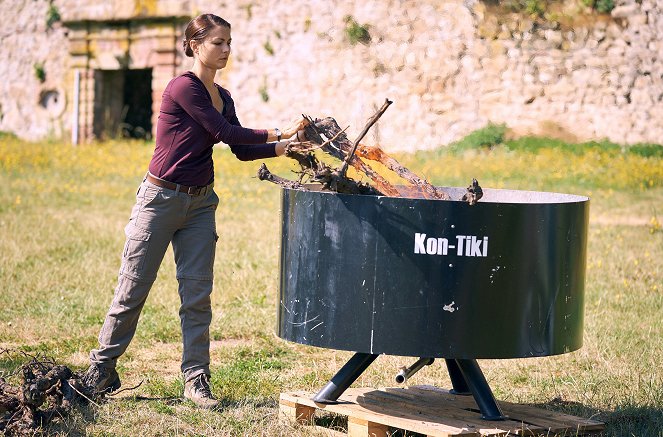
(46, 392)
(474, 193)
(265, 175)
(327, 136)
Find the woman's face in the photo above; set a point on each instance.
(214, 50)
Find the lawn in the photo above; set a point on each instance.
(62, 213)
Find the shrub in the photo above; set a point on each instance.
(355, 32)
(531, 7)
(52, 16)
(602, 6)
(40, 73)
(535, 7)
(4, 135)
(646, 150)
(264, 95)
(489, 136)
(534, 144)
(268, 47)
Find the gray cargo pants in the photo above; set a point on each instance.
(162, 216)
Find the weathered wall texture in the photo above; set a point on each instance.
(449, 66)
(25, 42)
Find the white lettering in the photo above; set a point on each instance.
(442, 245)
(419, 243)
(476, 247)
(431, 246)
(461, 239)
(467, 245)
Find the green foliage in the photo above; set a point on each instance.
(52, 15)
(535, 7)
(531, 7)
(548, 10)
(251, 373)
(162, 408)
(40, 73)
(7, 135)
(264, 95)
(489, 136)
(494, 135)
(249, 11)
(158, 386)
(646, 150)
(355, 32)
(268, 47)
(602, 6)
(535, 144)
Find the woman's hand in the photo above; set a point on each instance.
(300, 136)
(295, 126)
(280, 147)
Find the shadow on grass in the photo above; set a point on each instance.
(223, 403)
(625, 419)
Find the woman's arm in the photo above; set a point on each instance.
(193, 98)
(250, 152)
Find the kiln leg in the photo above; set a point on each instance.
(344, 378)
(457, 379)
(480, 390)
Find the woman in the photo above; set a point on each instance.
(176, 203)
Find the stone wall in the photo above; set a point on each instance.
(449, 66)
(30, 108)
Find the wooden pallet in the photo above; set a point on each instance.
(433, 412)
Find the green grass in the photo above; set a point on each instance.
(495, 135)
(62, 213)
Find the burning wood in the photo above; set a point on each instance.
(327, 136)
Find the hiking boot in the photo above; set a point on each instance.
(101, 379)
(197, 390)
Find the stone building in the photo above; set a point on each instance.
(84, 69)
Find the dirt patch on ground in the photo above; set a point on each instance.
(229, 342)
(166, 358)
(607, 220)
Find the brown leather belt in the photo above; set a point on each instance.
(192, 191)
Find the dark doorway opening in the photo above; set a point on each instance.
(123, 103)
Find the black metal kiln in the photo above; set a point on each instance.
(433, 279)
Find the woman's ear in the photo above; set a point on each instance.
(194, 46)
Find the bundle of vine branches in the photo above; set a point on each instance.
(326, 135)
(46, 391)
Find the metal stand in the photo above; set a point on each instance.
(466, 378)
(480, 390)
(457, 379)
(344, 378)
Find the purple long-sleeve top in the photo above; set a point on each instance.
(188, 127)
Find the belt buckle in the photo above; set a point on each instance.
(192, 191)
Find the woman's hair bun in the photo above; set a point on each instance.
(187, 48)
